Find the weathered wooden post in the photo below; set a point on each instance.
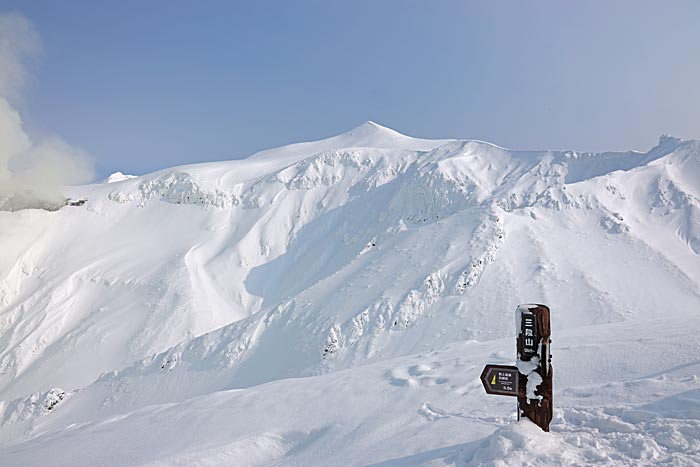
(531, 379)
(534, 363)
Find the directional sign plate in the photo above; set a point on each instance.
(501, 379)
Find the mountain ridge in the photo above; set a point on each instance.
(324, 258)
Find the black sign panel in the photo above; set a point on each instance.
(529, 335)
(501, 379)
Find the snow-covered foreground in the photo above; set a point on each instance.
(333, 303)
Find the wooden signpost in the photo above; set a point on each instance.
(531, 379)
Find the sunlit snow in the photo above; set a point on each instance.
(334, 303)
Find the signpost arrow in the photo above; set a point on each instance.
(503, 380)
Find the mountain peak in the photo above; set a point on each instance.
(372, 128)
(367, 135)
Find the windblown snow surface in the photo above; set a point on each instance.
(334, 303)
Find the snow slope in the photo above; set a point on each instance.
(334, 302)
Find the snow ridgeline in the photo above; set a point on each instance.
(307, 221)
(425, 187)
(444, 180)
(328, 256)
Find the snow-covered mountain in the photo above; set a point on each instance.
(333, 303)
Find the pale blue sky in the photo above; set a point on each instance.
(143, 85)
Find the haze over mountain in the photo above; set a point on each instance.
(334, 302)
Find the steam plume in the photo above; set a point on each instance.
(32, 172)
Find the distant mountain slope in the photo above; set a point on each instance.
(318, 257)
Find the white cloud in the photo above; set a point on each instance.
(32, 172)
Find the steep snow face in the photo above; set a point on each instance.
(318, 257)
(362, 246)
